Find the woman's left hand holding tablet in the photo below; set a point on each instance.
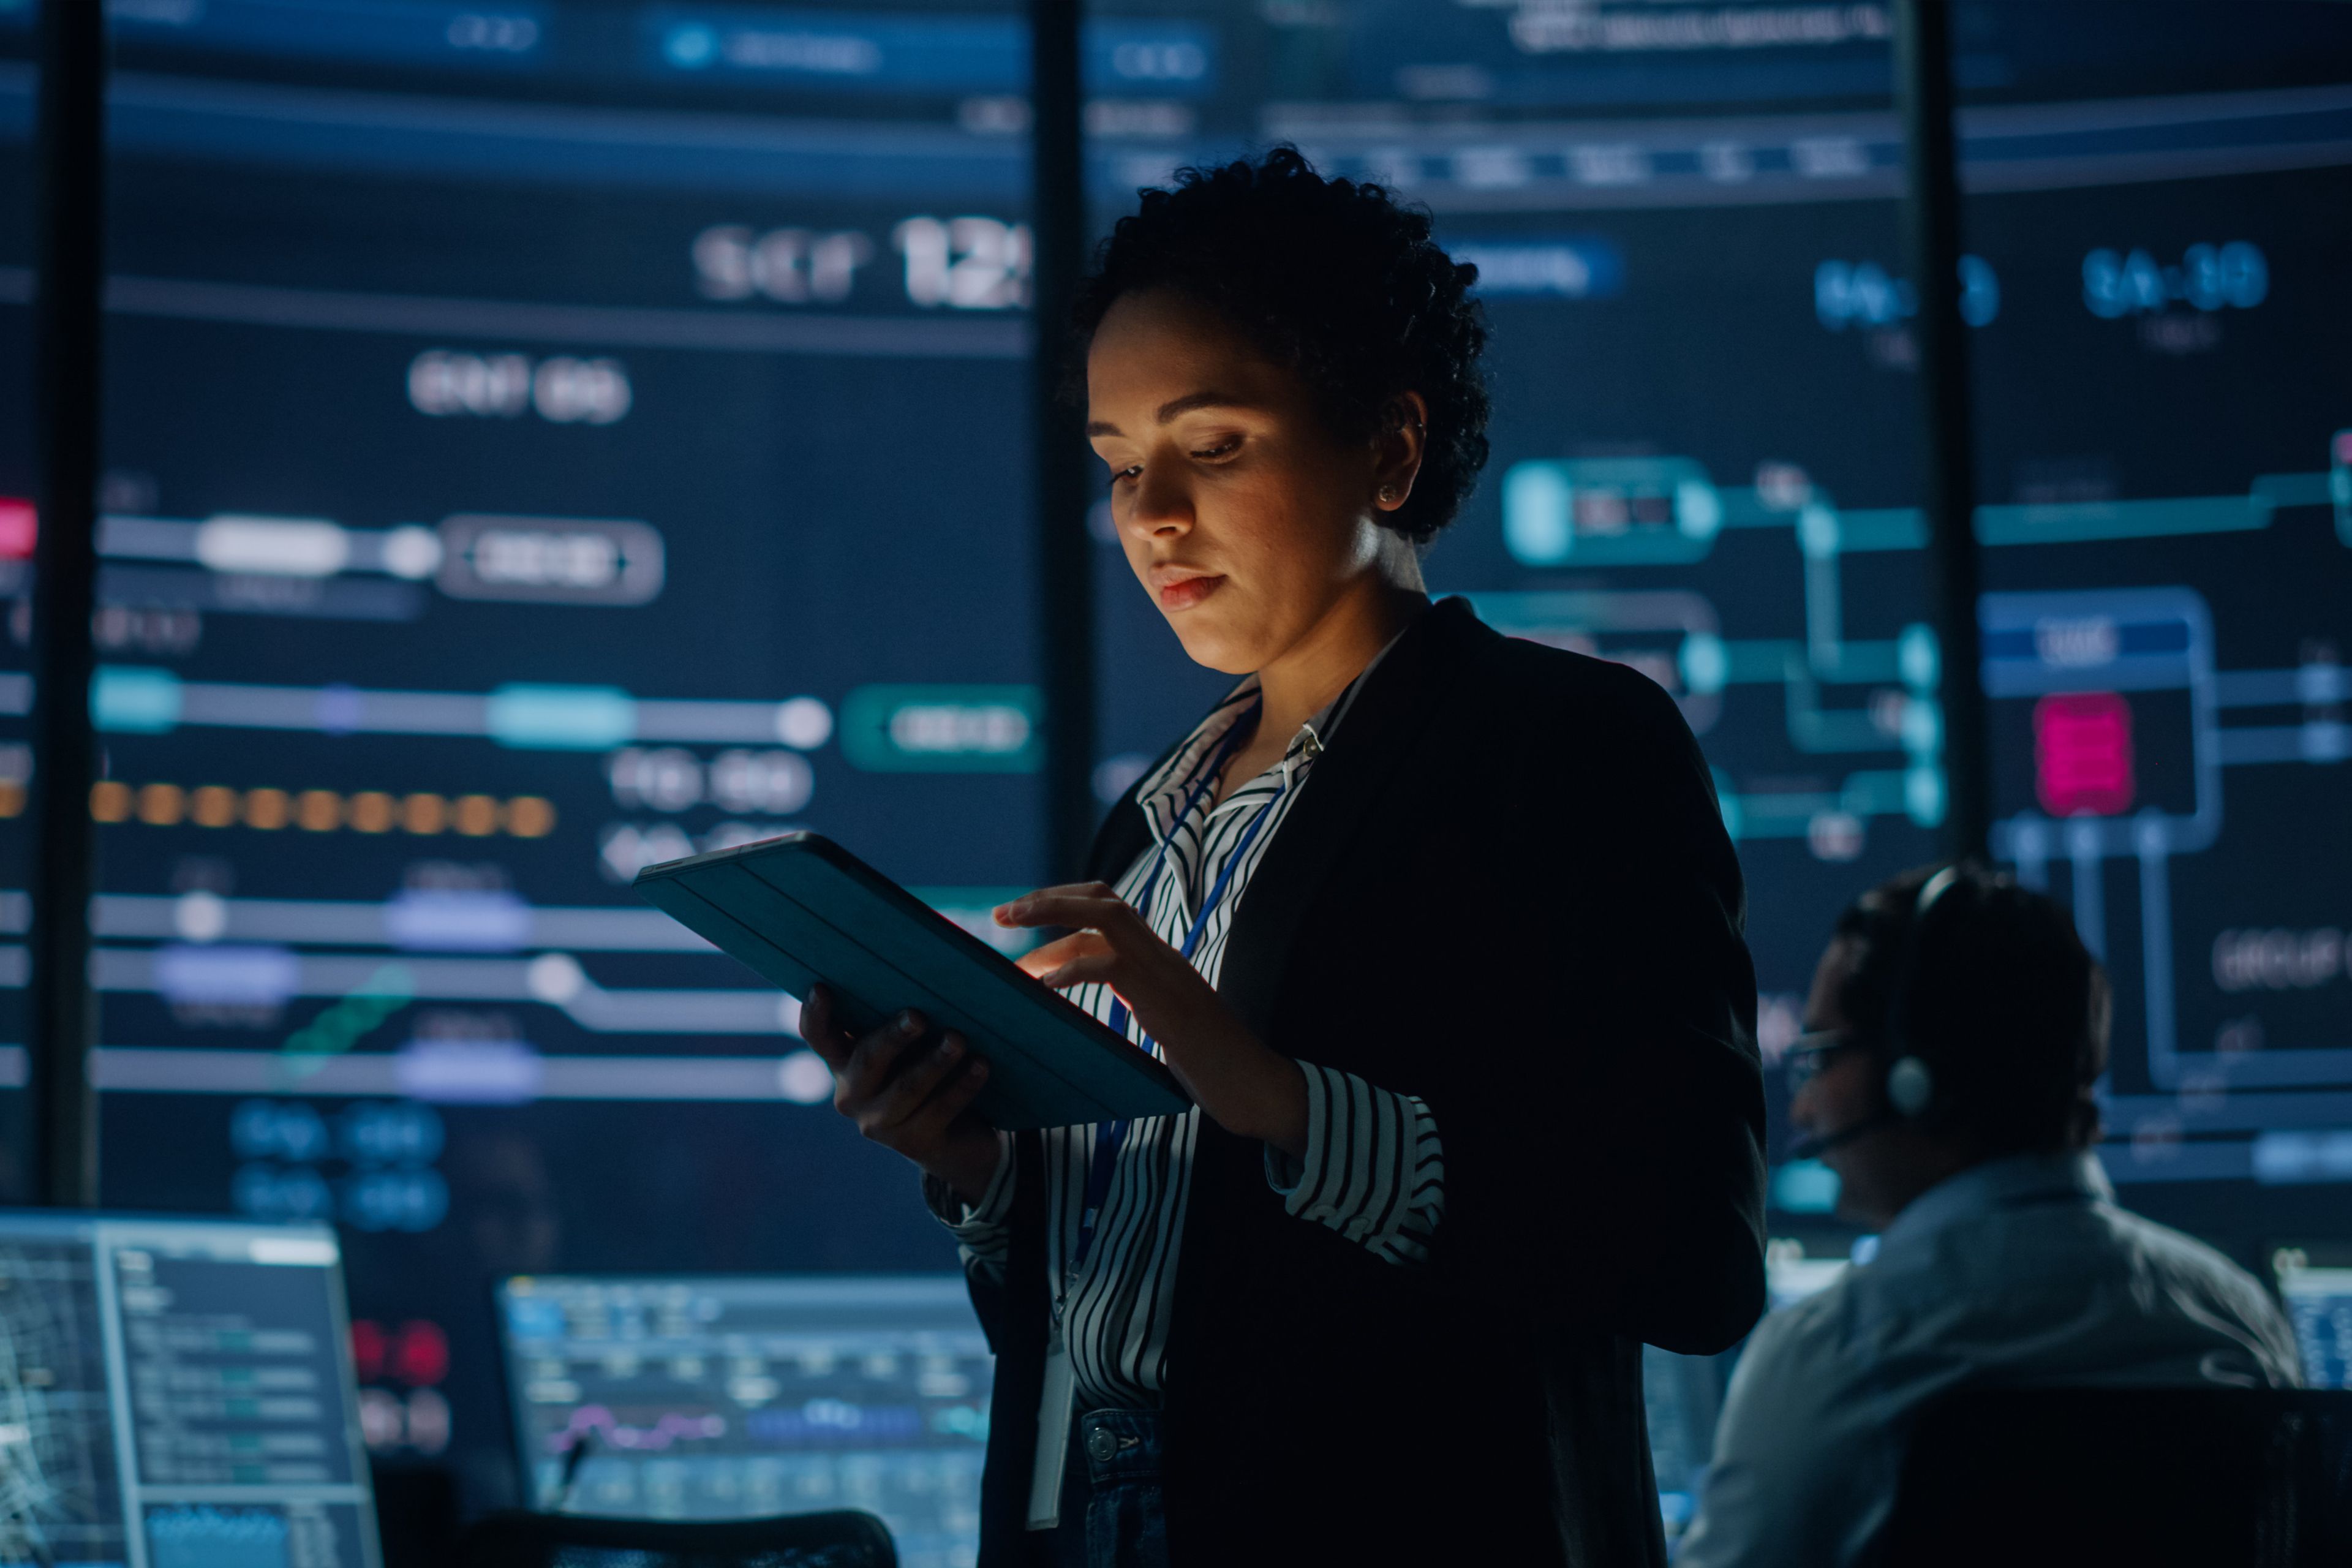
(908, 1092)
(1243, 1085)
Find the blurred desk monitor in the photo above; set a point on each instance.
(1683, 1394)
(1793, 1270)
(2314, 1282)
(727, 1395)
(177, 1393)
(1682, 1397)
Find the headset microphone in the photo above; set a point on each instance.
(1814, 1148)
(1909, 1090)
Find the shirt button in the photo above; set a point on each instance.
(1101, 1444)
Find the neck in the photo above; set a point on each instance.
(1316, 668)
(1918, 1162)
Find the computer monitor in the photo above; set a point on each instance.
(177, 1393)
(712, 1396)
(1682, 1396)
(1792, 1271)
(2316, 1283)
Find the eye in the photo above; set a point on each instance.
(1128, 472)
(1224, 448)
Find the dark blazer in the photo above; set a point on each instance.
(1506, 889)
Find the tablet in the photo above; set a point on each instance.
(800, 908)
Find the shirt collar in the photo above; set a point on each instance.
(1161, 796)
(2005, 1182)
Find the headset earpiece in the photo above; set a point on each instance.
(1910, 1087)
(1910, 1083)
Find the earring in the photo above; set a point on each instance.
(1388, 492)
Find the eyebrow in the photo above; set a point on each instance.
(1171, 409)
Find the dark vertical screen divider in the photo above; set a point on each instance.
(68, 271)
(1932, 244)
(1066, 584)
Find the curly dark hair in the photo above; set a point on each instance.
(1333, 279)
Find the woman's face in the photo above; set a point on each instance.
(1245, 520)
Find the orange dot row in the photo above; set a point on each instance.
(313, 810)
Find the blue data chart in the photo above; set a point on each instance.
(721, 1396)
(2316, 1285)
(178, 1394)
(2164, 468)
(525, 460)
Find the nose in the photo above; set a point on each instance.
(1162, 507)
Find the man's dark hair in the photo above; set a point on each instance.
(1331, 278)
(2002, 1000)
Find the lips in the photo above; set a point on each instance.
(1182, 587)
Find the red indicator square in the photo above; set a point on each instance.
(2082, 754)
(17, 528)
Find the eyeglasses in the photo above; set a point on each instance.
(1811, 1051)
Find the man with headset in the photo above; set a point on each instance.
(1955, 1026)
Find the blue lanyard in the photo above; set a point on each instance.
(1109, 1142)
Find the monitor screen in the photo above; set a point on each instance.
(730, 1396)
(1682, 1395)
(2316, 1283)
(1790, 1275)
(539, 439)
(177, 1393)
(1705, 465)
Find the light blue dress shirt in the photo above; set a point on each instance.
(2019, 1271)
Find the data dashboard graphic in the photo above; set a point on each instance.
(725, 1396)
(177, 1393)
(1705, 466)
(534, 450)
(2316, 1284)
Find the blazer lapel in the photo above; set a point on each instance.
(1377, 733)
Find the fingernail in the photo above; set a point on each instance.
(953, 1047)
(979, 1069)
(905, 1024)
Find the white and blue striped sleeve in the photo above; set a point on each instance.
(982, 1230)
(1374, 1170)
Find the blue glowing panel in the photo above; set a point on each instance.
(179, 1393)
(521, 468)
(2159, 459)
(719, 1397)
(2318, 1300)
(1706, 414)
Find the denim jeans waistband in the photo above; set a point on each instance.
(1118, 1445)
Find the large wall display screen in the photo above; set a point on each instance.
(541, 439)
(2167, 463)
(1706, 465)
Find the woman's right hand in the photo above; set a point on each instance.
(908, 1095)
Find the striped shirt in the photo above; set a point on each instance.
(1373, 1169)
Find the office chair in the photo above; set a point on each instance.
(2220, 1478)
(520, 1540)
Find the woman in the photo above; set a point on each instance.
(1440, 931)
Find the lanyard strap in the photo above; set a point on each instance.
(1109, 1142)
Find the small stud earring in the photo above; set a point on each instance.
(1388, 492)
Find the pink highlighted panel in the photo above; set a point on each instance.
(2082, 754)
(17, 527)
